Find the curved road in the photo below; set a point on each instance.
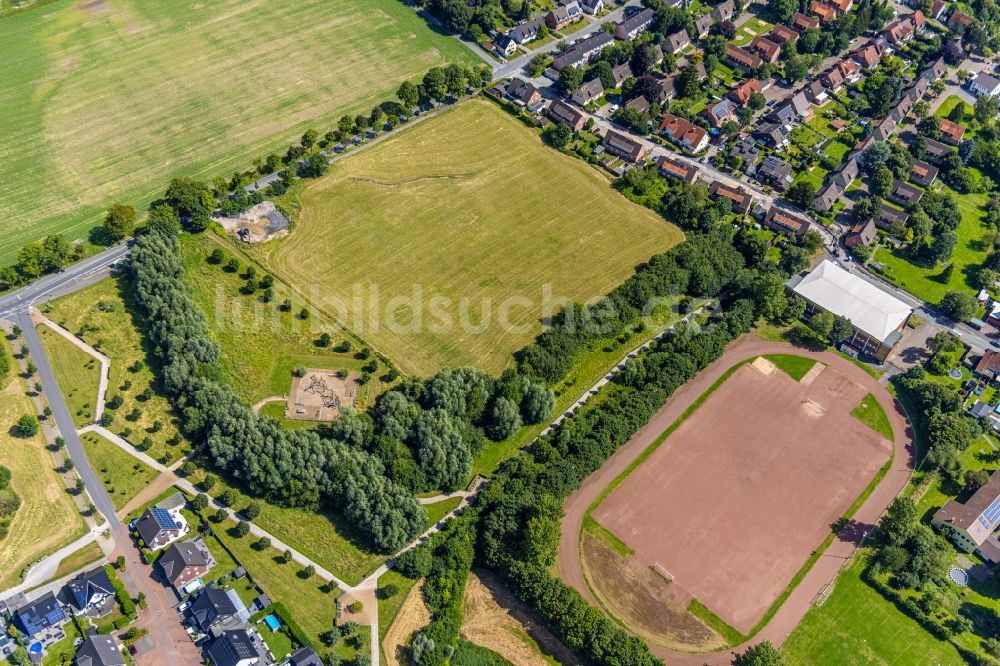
(825, 568)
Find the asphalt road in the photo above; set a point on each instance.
(64, 420)
(72, 278)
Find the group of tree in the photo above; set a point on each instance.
(9, 501)
(52, 254)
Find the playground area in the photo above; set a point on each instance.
(319, 395)
(762, 470)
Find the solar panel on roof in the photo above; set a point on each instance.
(164, 519)
(989, 517)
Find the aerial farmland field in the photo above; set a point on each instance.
(465, 217)
(106, 100)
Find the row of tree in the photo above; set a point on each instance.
(295, 468)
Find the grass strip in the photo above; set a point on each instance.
(731, 635)
(794, 366)
(607, 537)
(870, 413)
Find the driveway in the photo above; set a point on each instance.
(170, 643)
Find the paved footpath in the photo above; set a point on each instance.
(826, 567)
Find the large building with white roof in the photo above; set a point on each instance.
(877, 316)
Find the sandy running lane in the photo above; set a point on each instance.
(823, 571)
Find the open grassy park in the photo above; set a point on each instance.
(123, 475)
(462, 214)
(106, 317)
(47, 519)
(106, 101)
(77, 372)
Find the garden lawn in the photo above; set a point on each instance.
(856, 625)
(452, 233)
(313, 609)
(106, 316)
(925, 282)
(261, 343)
(439, 510)
(106, 101)
(950, 103)
(78, 374)
(47, 519)
(123, 475)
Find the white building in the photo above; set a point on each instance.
(985, 84)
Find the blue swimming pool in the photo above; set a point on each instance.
(272, 622)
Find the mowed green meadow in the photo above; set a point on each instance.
(106, 100)
(466, 217)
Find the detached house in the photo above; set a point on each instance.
(765, 48)
(781, 34)
(522, 93)
(884, 128)
(185, 562)
(703, 24)
(985, 84)
(741, 93)
(824, 12)
(958, 18)
(801, 22)
(891, 219)
(923, 173)
(684, 133)
(832, 79)
(620, 73)
(588, 92)
(739, 197)
(41, 614)
(905, 195)
(635, 25)
(527, 31)
(622, 146)
(724, 11)
(867, 57)
(88, 592)
(216, 611)
(937, 151)
(861, 234)
(592, 7)
(158, 527)
(772, 135)
(971, 525)
(826, 196)
(560, 17)
(777, 172)
(951, 132)
(99, 650)
(849, 70)
(720, 112)
(678, 41)
(741, 57)
(233, 648)
(562, 112)
(669, 168)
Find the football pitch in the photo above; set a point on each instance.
(106, 100)
(442, 245)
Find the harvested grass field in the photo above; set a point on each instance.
(123, 475)
(261, 344)
(77, 372)
(44, 500)
(458, 217)
(105, 101)
(411, 616)
(495, 619)
(106, 316)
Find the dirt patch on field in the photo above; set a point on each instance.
(496, 619)
(98, 7)
(733, 503)
(257, 224)
(644, 600)
(412, 617)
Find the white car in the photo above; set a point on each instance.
(614, 107)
